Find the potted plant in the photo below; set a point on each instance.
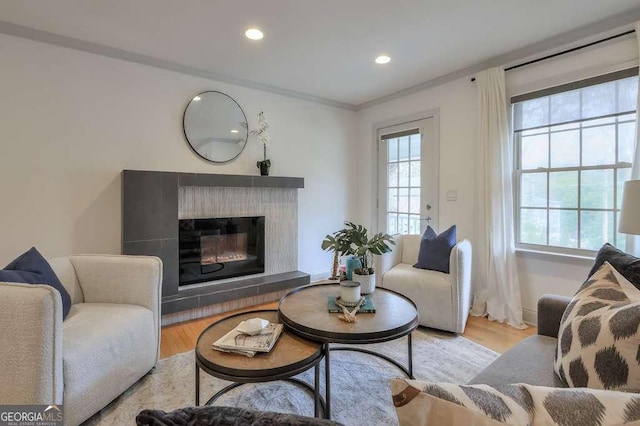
(363, 248)
(338, 244)
(263, 137)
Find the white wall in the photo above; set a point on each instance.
(456, 101)
(72, 121)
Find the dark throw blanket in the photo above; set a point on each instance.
(224, 416)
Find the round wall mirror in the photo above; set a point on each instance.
(215, 127)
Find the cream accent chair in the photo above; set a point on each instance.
(109, 340)
(443, 300)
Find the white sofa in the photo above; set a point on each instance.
(109, 340)
(443, 300)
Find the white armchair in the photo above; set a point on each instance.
(443, 300)
(109, 340)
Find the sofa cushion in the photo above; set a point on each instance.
(599, 334)
(530, 361)
(66, 273)
(435, 250)
(424, 403)
(106, 348)
(31, 268)
(626, 264)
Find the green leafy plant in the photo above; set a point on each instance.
(338, 244)
(363, 247)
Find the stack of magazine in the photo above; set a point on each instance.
(248, 345)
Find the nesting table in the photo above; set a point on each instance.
(304, 312)
(290, 356)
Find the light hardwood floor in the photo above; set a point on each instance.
(179, 338)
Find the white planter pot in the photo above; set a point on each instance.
(367, 282)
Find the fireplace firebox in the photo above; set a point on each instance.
(218, 248)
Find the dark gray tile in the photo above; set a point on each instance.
(179, 305)
(142, 206)
(187, 179)
(167, 251)
(170, 267)
(227, 295)
(170, 205)
(277, 182)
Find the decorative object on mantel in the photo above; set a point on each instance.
(215, 127)
(263, 137)
(363, 248)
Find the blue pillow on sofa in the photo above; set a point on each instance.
(435, 250)
(31, 268)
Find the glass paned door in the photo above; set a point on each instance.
(407, 174)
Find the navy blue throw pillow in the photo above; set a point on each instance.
(31, 268)
(435, 250)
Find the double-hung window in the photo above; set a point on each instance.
(574, 146)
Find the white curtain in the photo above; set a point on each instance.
(496, 290)
(633, 241)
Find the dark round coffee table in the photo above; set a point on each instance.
(291, 355)
(304, 312)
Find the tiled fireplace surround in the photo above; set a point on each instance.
(152, 204)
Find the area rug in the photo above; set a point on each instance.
(360, 393)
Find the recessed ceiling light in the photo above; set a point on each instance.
(383, 59)
(234, 131)
(254, 34)
(197, 98)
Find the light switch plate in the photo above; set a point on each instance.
(452, 195)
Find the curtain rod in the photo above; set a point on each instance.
(564, 52)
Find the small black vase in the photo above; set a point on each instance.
(264, 167)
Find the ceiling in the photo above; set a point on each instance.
(322, 48)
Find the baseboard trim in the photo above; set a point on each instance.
(530, 316)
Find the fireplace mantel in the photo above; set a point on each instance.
(150, 206)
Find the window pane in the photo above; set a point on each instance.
(563, 228)
(621, 239)
(533, 190)
(403, 223)
(596, 228)
(403, 147)
(535, 151)
(598, 122)
(563, 189)
(599, 146)
(393, 149)
(392, 223)
(393, 174)
(565, 149)
(415, 147)
(533, 226)
(599, 100)
(565, 106)
(403, 174)
(626, 141)
(414, 201)
(628, 94)
(596, 189)
(535, 112)
(403, 200)
(623, 176)
(414, 224)
(627, 117)
(392, 202)
(415, 173)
